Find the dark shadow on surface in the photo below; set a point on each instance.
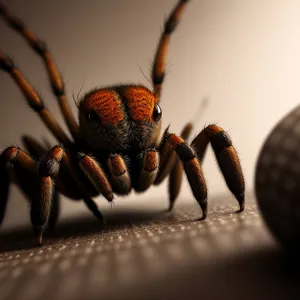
(82, 226)
(266, 273)
(23, 238)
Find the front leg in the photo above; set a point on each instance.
(226, 156)
(147, 169)
(192, 169)
(227, 159)
(48, 170)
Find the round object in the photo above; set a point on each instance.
(277, 181)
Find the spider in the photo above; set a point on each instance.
(116, 147)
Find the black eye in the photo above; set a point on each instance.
(157, 113)
(93, 119)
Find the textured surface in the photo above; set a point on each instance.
(146, 254)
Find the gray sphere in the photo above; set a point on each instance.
(277, 181)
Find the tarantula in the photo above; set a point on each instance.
(120, 126)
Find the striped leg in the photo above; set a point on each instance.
(55, 78)
(149, 163)
(192, 169)
(226, 157)
(38, 151)
(175, 178)
(96, 175)
(33, 100)
(25, 171)
(118, 173)
(159, 64)
(167, 158)
(48, 170)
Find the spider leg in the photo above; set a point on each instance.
(38, 151)
(159, 64)
(168, 155)
(192, 169)
(175, 178)
(167, 158)
(97, 176)
(55, 78)
(25, 169)
(34, 100)
(118, 173)
(48, 171)
(149, 164)
(226, 156)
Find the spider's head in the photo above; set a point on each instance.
(118, 118)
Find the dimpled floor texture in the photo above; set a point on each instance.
(144, 253)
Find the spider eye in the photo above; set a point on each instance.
(93, 119)
(157, 113)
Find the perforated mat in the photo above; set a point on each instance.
(146, 254)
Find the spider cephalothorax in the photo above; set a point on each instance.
(119, 118)
(116, 147)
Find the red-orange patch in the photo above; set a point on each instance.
(140, 102)
(106, 104)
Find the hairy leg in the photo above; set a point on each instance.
(227, 159)
(55, 78)
(34, 100)
(148, 164)
(118, 174)
(48, 170)
(22, 162)
(159, 64)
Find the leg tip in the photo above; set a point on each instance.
(241, 200)
(38, 232)
(171, 206)
(204, 210)
(242, 208)
(103, 223)
(39, 239)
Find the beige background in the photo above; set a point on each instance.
(243, 54)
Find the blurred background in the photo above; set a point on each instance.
(243, 55)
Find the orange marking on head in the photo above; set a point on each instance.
(106, 104)
(140, 102)
(175, 140)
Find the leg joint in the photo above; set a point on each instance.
(17, 24)
(158, 78)
(10, 153)
(170, 25)
(39, 46)
(6, 63)
(57, 90)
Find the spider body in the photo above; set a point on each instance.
(116, 147)
(120, 118)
